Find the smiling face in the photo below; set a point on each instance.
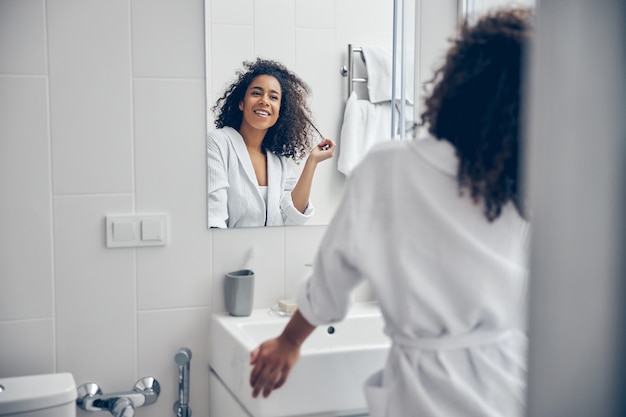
(261, 103)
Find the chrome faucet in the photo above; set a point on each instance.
(120, 404)
(183, 358)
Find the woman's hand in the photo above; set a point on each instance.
(323, 150)
(272, 361)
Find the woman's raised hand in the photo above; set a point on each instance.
(323, 150)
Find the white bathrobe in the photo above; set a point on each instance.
(234, 197)
(451, 285)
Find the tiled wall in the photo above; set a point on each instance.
(102, 111)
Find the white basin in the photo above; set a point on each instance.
(328, 377)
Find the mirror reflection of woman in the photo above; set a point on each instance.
(263, 124)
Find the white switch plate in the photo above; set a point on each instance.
(136, 230)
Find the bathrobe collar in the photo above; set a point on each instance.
(242, 154)
(439, 153)
(274, 190)
(274, 176)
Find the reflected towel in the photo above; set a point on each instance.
(364, 125)
(378, 61)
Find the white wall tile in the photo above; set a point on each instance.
(160, 47)
(160, 334)
(232, 250)
(230, 45)
(171, 178)
(232, 12)
(301, 244)
(27, 347)
(274, 31)
(95, 293)
(317, 14)
(90, 95)
(22, 37)
(26, 220)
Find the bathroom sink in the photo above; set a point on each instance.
(328, 378)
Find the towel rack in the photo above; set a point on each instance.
(349, 71)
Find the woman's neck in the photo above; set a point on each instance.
(253, 138)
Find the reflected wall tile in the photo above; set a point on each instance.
(95, 293)
(160, 47)
(25, 214)
(318, 61)
(232, 12)
(435, 35)
(27, 347)
(317, 14)
(261, 249)
(160, 334)
(328, 112)
(275, 31)
(374, 25)
(90, 81)
(171, 178)
(373, 16)
(22, 37)
(230, 46)
(327, 199)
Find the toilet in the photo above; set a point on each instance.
(48, 395)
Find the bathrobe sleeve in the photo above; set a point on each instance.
(217, 183)
(290, 214)
(326, 296)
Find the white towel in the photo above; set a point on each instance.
(364, 125)
(378, 61)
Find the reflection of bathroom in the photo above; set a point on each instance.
(102, 111)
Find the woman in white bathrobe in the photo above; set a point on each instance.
(262, 122)
(436, 228)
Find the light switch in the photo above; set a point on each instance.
(151, 230)
(128, 231)
(123, 231)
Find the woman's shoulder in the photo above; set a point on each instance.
(222, 133)
(394, 148)
(411, 153)
(223, 137)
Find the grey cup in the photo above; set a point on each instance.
(239, 292)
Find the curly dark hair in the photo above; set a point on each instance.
(291, 136)
(475, 105)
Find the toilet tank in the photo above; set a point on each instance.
(48, 395)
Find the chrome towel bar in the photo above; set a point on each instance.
(349, 71)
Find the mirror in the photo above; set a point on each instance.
(311, 38)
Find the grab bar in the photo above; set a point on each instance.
(183, 359)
